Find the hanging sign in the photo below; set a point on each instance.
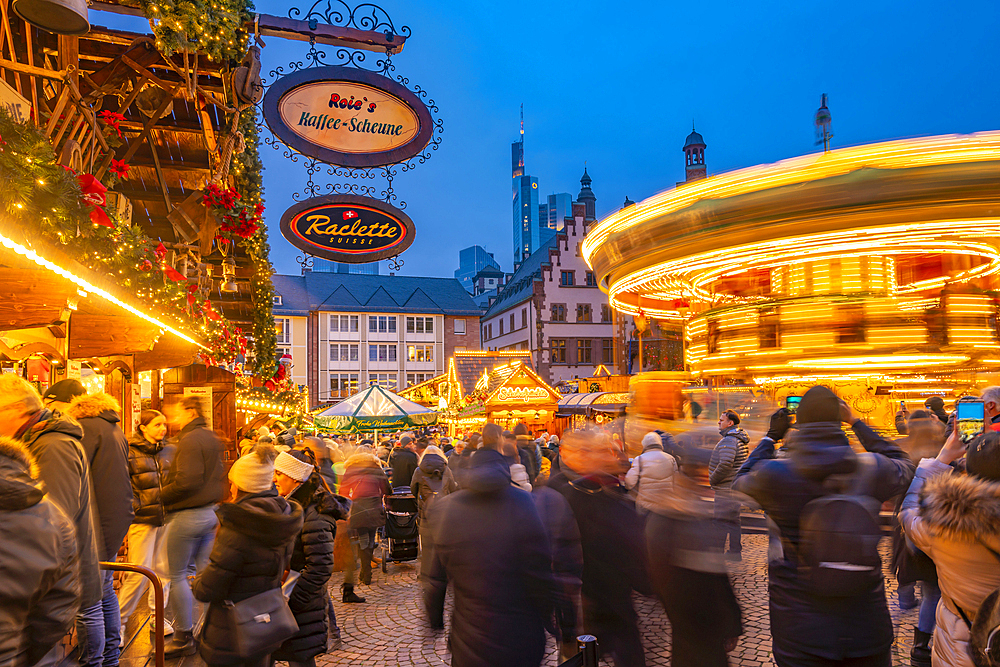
(508, 394)
(347, 116)
(348, 228)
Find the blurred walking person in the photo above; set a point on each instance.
(811, 624)
(614, 555)
(403, 462)
(727, 458)
(651, 476)
(190, 494)
(365, 484)
(106, 448)
(39, 585)
(257, 533)
(431, 480)
(54, 442)
(688, 570)
(296, 478)
(149, 459)
(953, 519)
(490, 544)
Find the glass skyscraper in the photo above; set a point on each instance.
(471, 261)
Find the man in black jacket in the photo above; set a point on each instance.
(54, 442)
(192, 489)
(489, 542)
(403, 462)
(39, 592)
(806, 628)
(107, 453)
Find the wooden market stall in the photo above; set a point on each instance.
(522, 397)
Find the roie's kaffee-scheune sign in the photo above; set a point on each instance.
(348, 228)
(347, 117)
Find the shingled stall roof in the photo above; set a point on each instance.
(470, 365)
(521, 285)
(345, 292)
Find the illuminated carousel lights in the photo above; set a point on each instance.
(909, 153)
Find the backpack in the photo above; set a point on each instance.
(838, 541)
(984, 632)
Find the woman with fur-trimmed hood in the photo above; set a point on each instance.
(955, 519)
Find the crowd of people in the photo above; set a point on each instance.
(534, 534)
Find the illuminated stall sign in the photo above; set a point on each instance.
(348, 228)
(348, 117)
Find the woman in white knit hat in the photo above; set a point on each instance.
(256, 534)
(297, 479)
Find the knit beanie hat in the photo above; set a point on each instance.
(819, 404)
(253, 472)
(295, 464)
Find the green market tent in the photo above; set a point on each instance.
(374, 409)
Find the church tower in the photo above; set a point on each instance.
(694, 157)
(587, 196)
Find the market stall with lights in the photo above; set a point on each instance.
(874, 266)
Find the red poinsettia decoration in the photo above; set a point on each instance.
(113, 119)
(92, 192)
(119, 168)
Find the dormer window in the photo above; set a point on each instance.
(276, 300)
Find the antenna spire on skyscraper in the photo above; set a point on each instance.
(522, 121)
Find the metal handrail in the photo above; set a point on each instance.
(157, 603)
(588, 655)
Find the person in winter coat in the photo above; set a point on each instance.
(567, 562)
(107, 453)
(321, 455)
(149, 458)
(807, 628)
(614, 556)
(727, 457)
(519, 457)
(297, 479)
(403, 462)
(251, 553)
(365, 484)
(532, 459)
(490, 544)
(461, 462)
(652, 474)
(39, 587)
(192, 489)
(953, 519)
(54, 442)
(688, 571)
(431, 479)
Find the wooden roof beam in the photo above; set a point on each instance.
(330, 35)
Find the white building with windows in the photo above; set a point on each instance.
(346, 331)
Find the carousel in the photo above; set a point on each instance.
(873, 269)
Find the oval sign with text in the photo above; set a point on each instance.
(348, 228)
(348, 117)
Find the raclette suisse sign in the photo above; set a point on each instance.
(348, 228)
(347, 117)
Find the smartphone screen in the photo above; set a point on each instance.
(792, 403)
(969, 419)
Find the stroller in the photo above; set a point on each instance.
(401, 537)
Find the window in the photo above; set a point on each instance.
(567, 279)
(512, 321)
(343, 352)
(279, 352)
(344, 324)
(420, 353)
(491, 329)
(419, 325)
(768, 335)
(382, 324)
(283, 330)
(343, 385)
(524, 317)
(558, 312)
(557, 348)
(583, 351)
(276, 300)
(591, 282)
(583, 313)
(605, 312)
(501, 325)
(460, 327)
(381, 353)
(417, 378)
(607, 351)
(387, 380)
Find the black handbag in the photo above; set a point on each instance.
(261, 623)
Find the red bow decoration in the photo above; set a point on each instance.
(173, 274)
(210, 312)
(160, 252)
(191, 289)
(113, 118)
(119, 168)
(92, 192)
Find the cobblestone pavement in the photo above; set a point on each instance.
(390, 631)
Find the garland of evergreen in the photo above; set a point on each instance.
(214, 28)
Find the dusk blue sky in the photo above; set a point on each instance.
(617, 84)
